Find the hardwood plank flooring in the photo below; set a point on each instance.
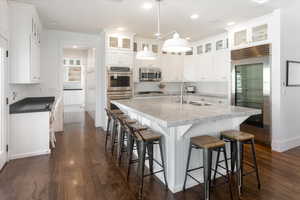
(80, 169)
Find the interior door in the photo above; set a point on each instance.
(3, 105)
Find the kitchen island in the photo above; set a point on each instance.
(178, 123)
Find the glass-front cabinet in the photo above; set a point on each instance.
(248, 36)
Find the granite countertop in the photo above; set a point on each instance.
(32, 104)
(169, 113)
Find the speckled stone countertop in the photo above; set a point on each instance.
(169, 113)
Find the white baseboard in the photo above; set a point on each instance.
(31, 154)
(284, 145)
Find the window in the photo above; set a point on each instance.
(73, 74)
(73, 71)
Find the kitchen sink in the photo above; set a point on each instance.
(199, 103)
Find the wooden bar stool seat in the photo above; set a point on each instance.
(117, 112)
(148, 135)
(237, 135)
(130, 121)
(237, 141)
(207, 144)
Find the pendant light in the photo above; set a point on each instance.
(176, 45)
(145, 54)
(173, 45)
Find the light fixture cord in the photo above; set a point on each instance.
(158, 18)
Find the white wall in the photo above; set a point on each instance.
(288, 134)
(90, 89)
(52, 53)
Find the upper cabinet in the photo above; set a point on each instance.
(210, 62)
(252, 33)
(119, 42)
(24, 44)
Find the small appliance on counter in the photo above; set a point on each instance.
(150, 74)
(191, 89)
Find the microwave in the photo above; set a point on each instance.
(119, 81)
(150, 74)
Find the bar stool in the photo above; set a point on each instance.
(145, 139)
(237, 140)
(109, 114)
(123, 134)
(208, 144)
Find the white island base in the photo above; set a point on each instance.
(177, 137)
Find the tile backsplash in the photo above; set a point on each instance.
(208, 88)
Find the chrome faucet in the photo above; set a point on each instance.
(182, 93)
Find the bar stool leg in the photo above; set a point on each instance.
(113, 136)
(163, 162)
(107, 132)
(242, 167)
(150, 154)
(255, 163)
(187, 165)
(217, 165)
(233, 155)
(207, 154)
(227, 172)
(142, 168)
(238, 166)
(130, 152)
(120, 144)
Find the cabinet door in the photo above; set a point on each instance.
(259, 33)
(172, 68)
(240, 38)
(126, 43)
(205, 67)
(189, 68)
(35, 61)
(221, 65)
(113, 42)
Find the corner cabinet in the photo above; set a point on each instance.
(24, 44)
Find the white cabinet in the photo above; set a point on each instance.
(172, 67)
(214, 66)
(221, 65)
(119, 58)
(118, 41)
(3, 18)
(249, 35)
(24, 44)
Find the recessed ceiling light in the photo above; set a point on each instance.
(147, 5)
(230, 23)
(194, 16)
(188, 38)
(260, 1)
(157, 34)
(75, 46)
(120, 29)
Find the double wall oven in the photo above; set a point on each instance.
(119, 84)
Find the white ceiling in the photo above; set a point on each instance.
(91, 16)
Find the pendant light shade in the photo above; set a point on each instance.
(176, 45)
(145, 54)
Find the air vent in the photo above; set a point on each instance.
(251, 52)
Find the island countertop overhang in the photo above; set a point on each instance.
(169, 113)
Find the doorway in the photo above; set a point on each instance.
(76, 86)
(3, 103)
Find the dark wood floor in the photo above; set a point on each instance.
(80, 169)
